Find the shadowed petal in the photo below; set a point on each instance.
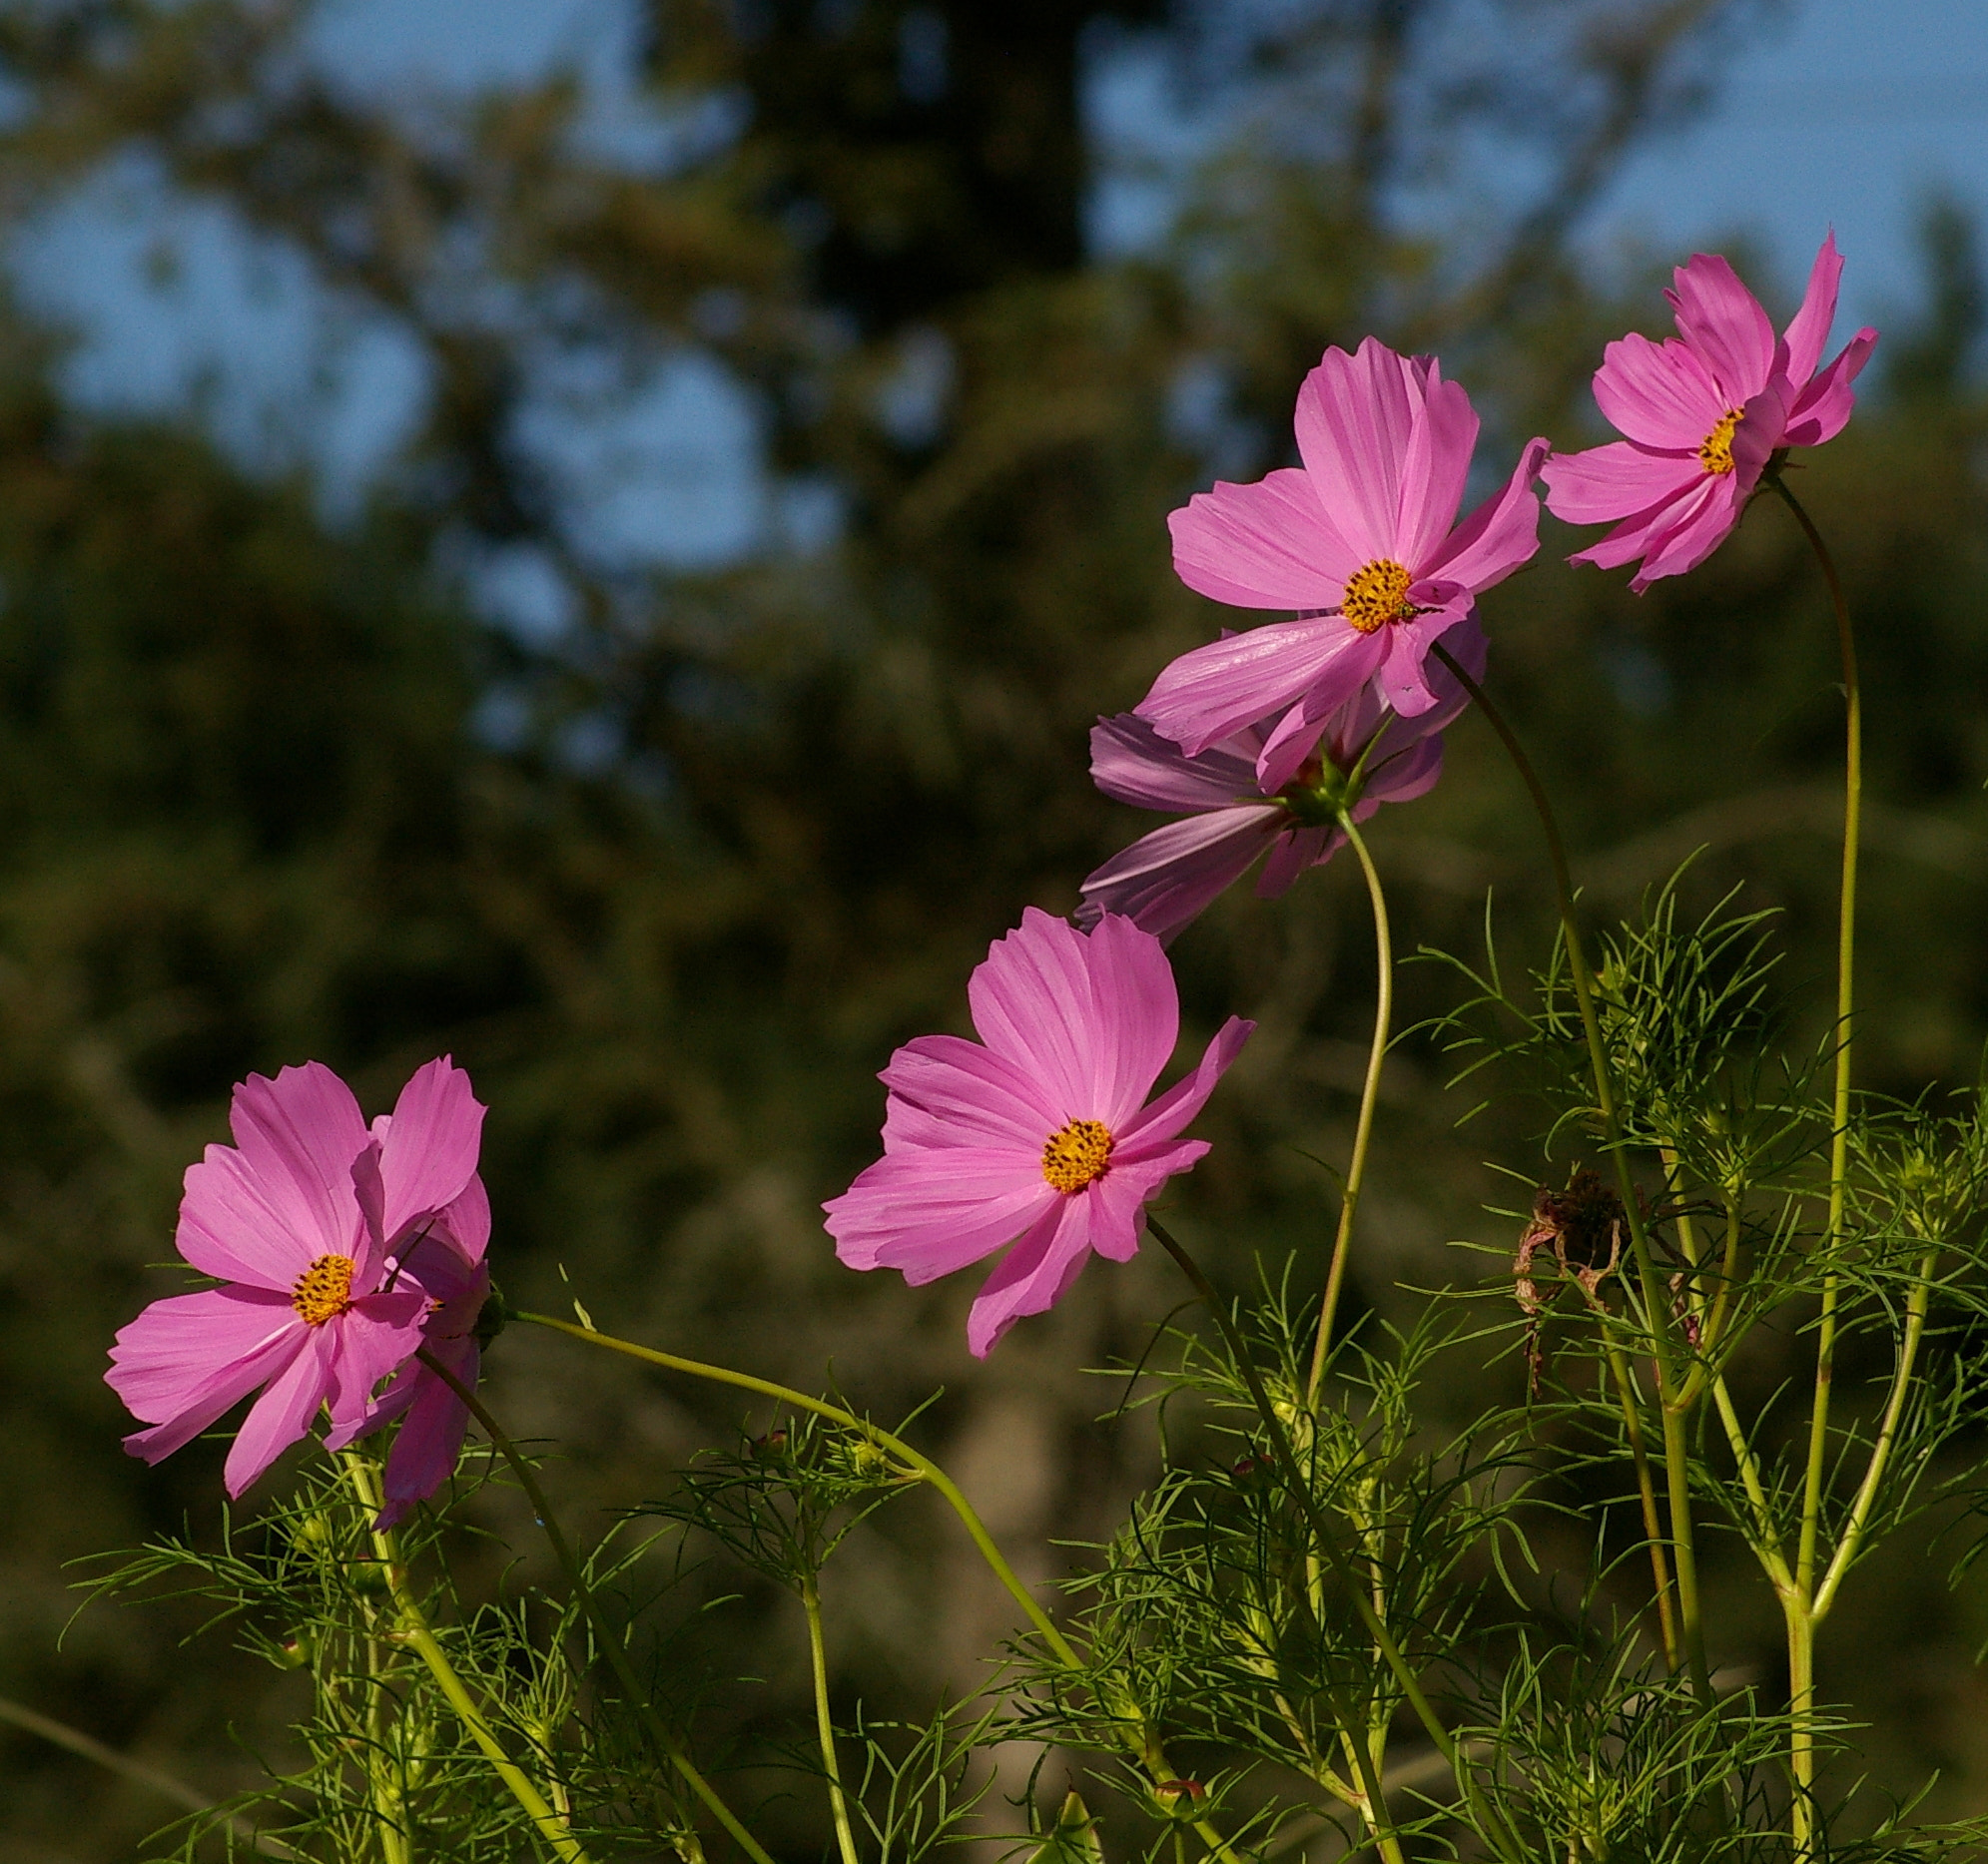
(424, 1453)
(1823, 407)
(1293, 853)
(375, 1338)
(1133, 763)
(1164, 878)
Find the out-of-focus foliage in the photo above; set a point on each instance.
(251, 815)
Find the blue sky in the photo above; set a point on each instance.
(1843, 112)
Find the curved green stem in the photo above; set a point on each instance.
(1675, 1402)
(416, 1634)
(811, 1604)
(1370, 1093)
(604, 1634)
(1801, 1623)
(1140, 1738)
(1491, 1827)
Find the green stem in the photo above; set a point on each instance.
(1137, 1735)
(414, 1631)
(605, 1636)
(1801, 1623)
(1490, 1826)
(1645, 1489)
(1682, 1537)
(1370, 1093)
(811, 1604)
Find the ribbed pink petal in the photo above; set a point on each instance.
(1686, 544)
(424, 1453)
(282, 1415)
(1032, 1004)
(1723, 321)
(1137, 1011)
(945, 1090)
(1034, 1276)
(1133, 763)
(1406, 674)
(1354, 421)
(1402, 776)
(1606, 485)
(467, 1220)
(1438, 461)
(928, 1213)
(1293, 855)
(1164, 878)
(1265, 545)
(221, 1393)
(372, 1340)
(299, 1135)
(1823, 407)
(1166, 1118)
(1215, 691)
(1809, 330)
(1659, 395)
(1295, 737)
(429, 1152)
(1500, 535)
(166, 1359)
(1637, 533)
(237, 1224)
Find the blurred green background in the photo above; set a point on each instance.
(670, 854)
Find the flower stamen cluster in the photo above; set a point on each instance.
(325, 1290)
(1376, 594)
(1077, 1154)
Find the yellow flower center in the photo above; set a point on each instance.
(1376, 594)
(1716, 455)
(1077, 1154)
(325, 1290)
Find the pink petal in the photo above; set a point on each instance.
(1438, 461)
(372, 1340)
(174, 1347)
(1133, 763)
(928, 1213)
(1723, 321)
(431, 1143)
(1406, 675)
(283, 1414)
(241, 1226)
(1032, 1004)
(945, 1090)
(221, 1392)
(1034, 1276)
(424, 1453)
(1214, 691)
(1500, 535)
(1164, 878)
(1686, 544)
(1659, 395)
(1823, 407)
(467, 1220)
(299, 1135)
(1138, 1013)
(1809, 330)
(1163, 1119)
(1266, 545)
(1609, 483)
(1355, 418)
(1402, 776)
(1117, 1201)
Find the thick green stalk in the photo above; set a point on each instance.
(1682, 1535)
(416, 1633)
(1802, 1621)
(811, 1604)
(604, 1632)
(1370, 1093)
(1492, 1828)
(1140, 1738)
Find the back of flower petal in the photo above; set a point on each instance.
(1132, 762)
(1164, 878)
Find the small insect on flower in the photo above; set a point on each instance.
(1361, 540)
(1704, 414)
(341, 1252)
(1039, 1135)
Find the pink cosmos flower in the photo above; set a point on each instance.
(1704, 411)
(1366, 756)
(325, 1238)
(1363, 538)
(1041, 1134)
